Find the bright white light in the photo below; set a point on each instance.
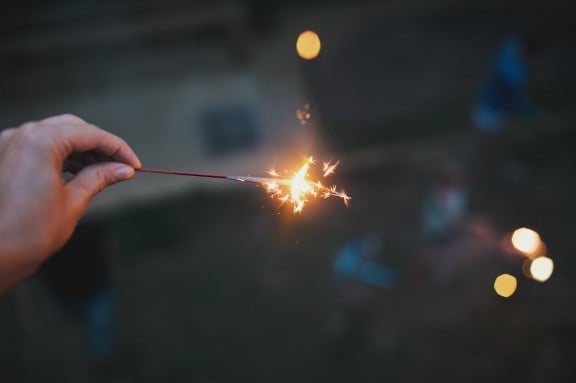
(541, 269)
(526, 241)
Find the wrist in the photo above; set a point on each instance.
(16, 262)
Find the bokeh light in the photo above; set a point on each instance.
(541, 269)
(505, 285)
(526, 241)
(308, 45)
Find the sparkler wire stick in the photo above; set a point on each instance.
(255, 180)
(180, 173)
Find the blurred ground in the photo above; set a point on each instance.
(221, 285)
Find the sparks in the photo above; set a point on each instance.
(298, 190)
(329, 168)
(303, 115)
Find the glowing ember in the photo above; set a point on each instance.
(299, 189)
(304, 115)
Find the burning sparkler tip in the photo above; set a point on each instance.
(299, 189)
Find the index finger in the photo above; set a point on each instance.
(83, 137)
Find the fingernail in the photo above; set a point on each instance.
(123, 173)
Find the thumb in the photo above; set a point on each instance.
(93, 179)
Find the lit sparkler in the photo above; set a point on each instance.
(296, 190)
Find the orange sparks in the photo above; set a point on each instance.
(329, 168)
(299, 189)
(303, 115)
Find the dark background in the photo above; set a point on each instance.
(220, 284)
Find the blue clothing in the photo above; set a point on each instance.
(96, 311)
(504, 91)
(98, 314)
(350, 265)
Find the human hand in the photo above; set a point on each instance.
(38, 208)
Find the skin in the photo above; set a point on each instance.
(38, 208)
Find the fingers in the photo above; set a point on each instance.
(71, 134)
(63, 119)
(6, 134)
(76, 146)
(85, 137)
(93, 179)
(76, 161)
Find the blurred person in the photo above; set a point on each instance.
(39, 208)
(457, 243)
(79, 280)
(359, 260)
(502, 99)
(446, 204)
(360, 277)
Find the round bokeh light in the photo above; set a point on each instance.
(526, 241)
(308, 45)
(505, 285)
(541, 269)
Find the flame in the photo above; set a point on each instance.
(299, 189)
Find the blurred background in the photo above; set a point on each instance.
(453, 122)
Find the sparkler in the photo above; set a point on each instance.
(296, 190)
